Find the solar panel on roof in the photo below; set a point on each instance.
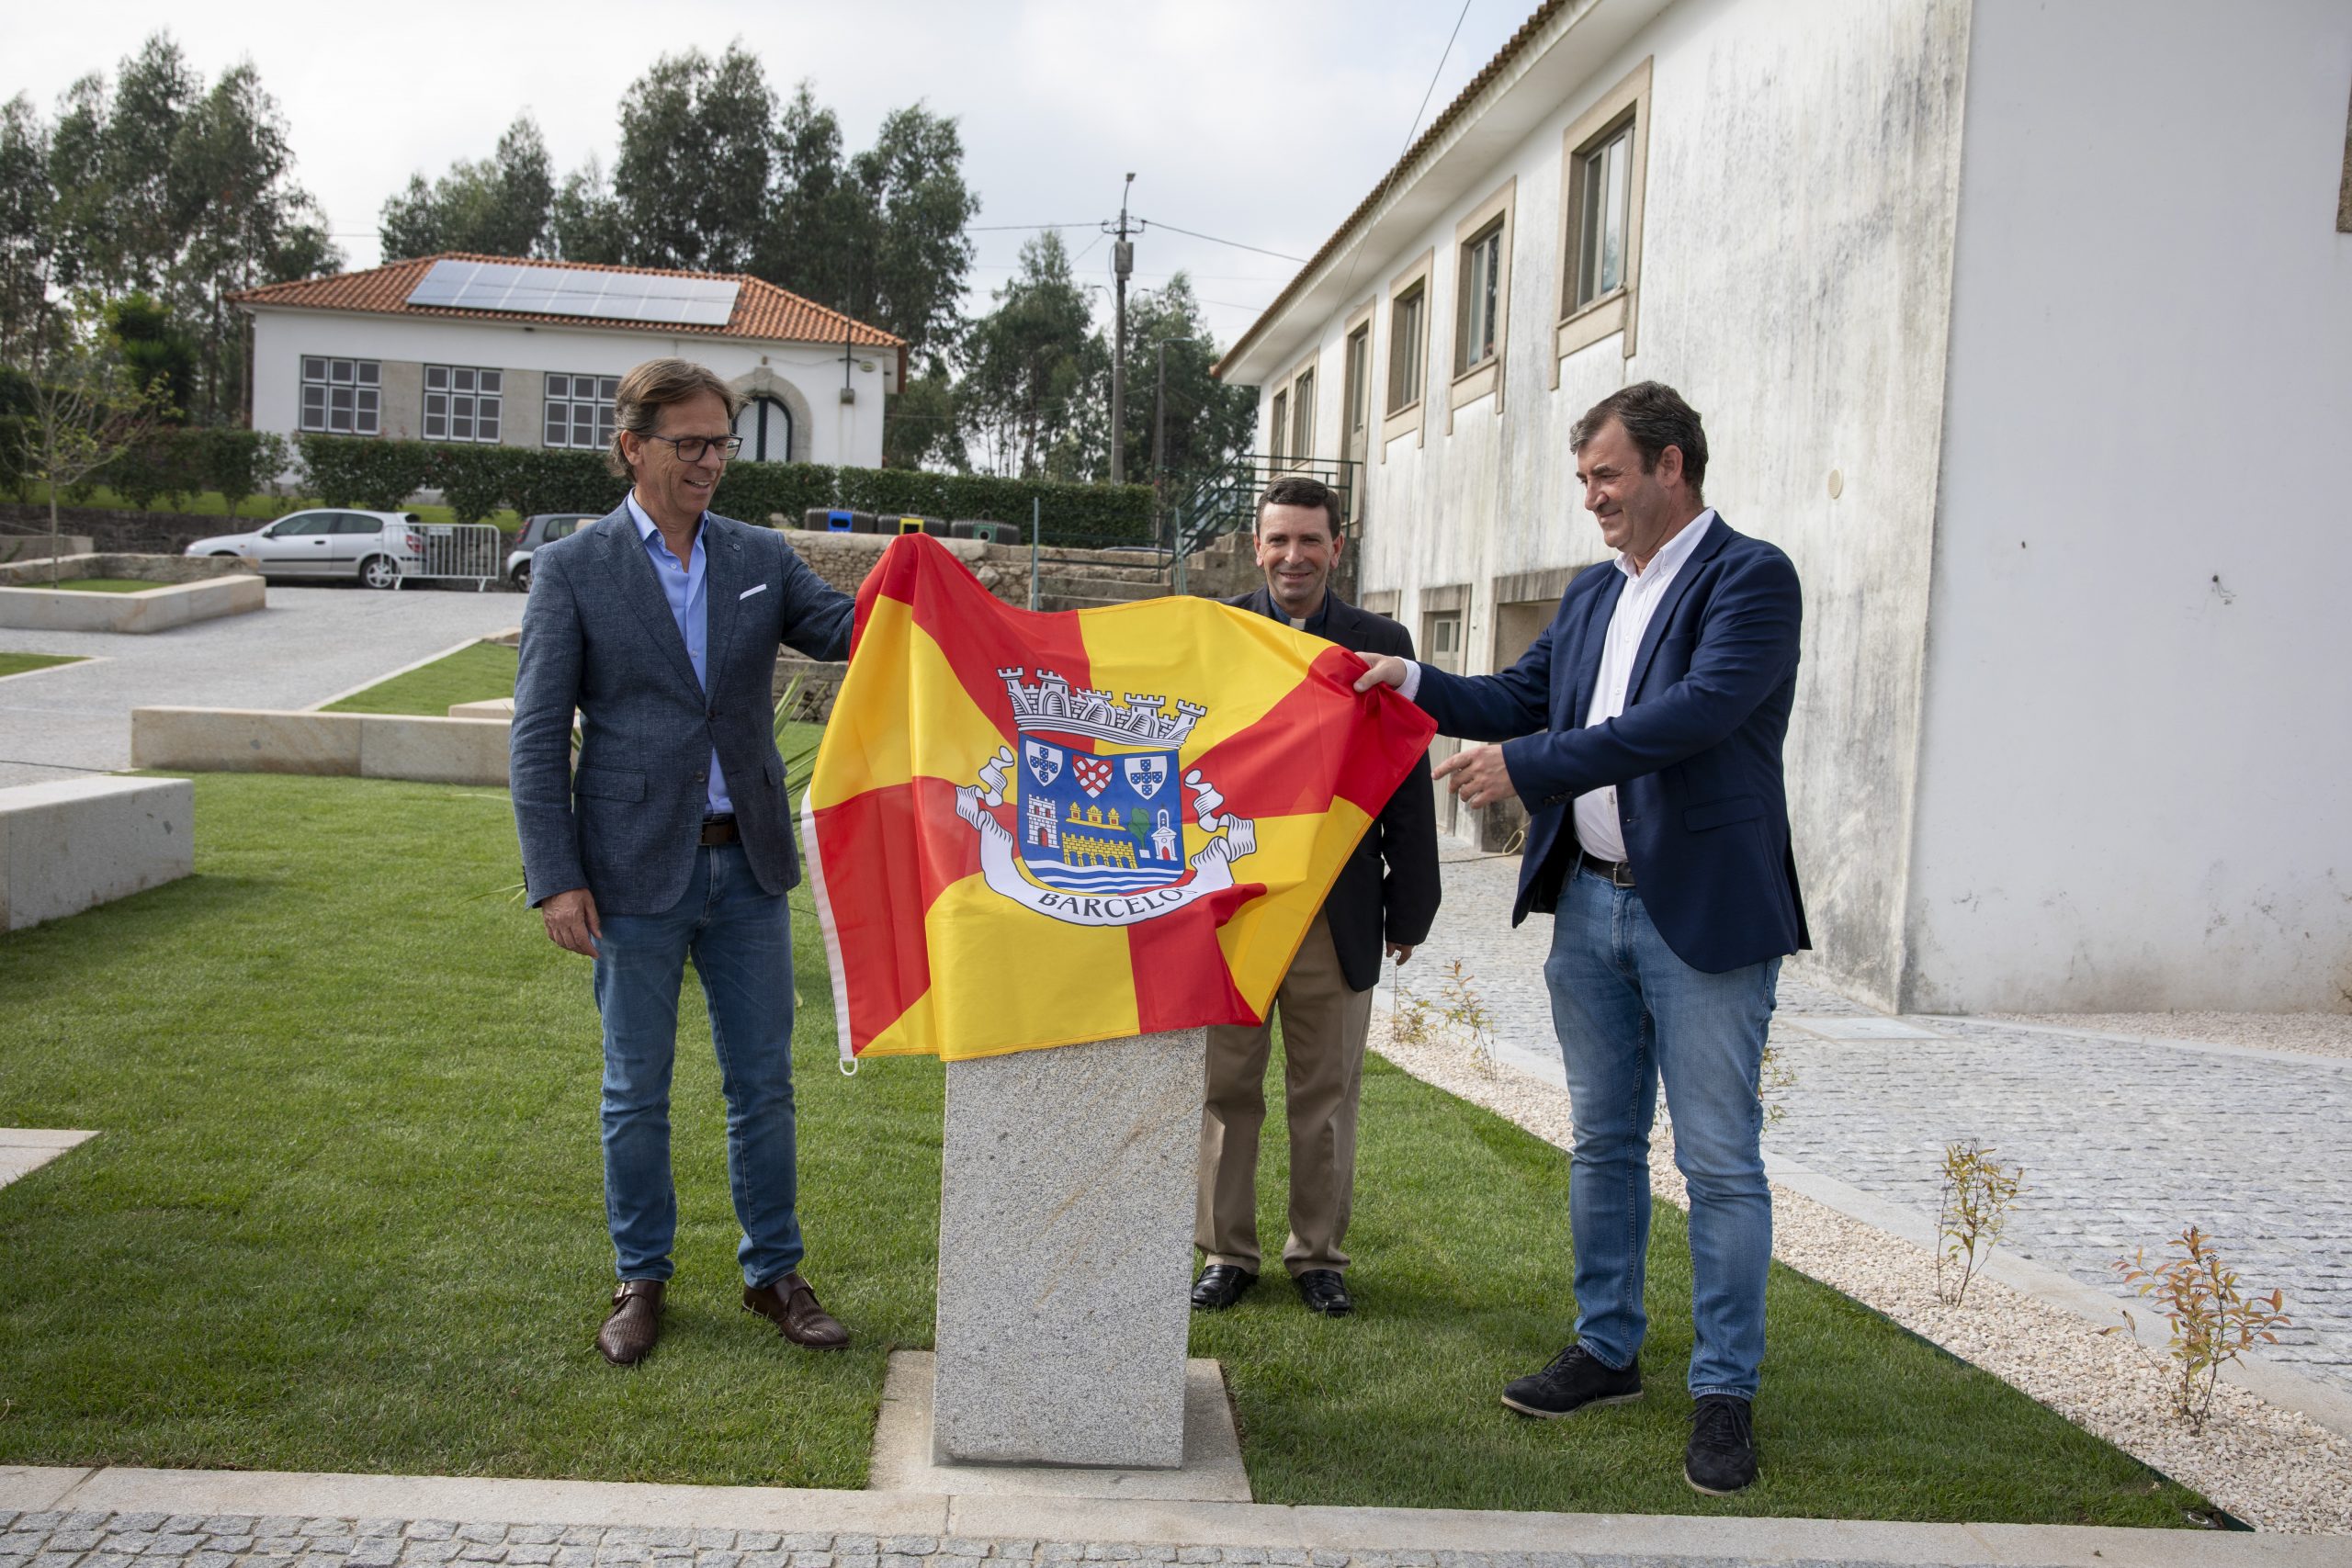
(573, 291)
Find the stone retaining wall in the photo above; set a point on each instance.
(353, 745)
(157, 609)
(159, 569)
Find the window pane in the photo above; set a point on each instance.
(339, 420)
(1619, 188)
(368, 370)
(486, 423)
(558, 387)
(583, 424)
(606, 417)
(436, 377)
(1277, 427)
(340, 369)
(314, 369)
(552, 433)
(461, 380)
(493, 381)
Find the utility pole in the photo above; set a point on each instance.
(1123, 262)
(1159, 442)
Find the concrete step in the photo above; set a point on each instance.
(1091, 587)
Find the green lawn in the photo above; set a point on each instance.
(103, 586)
(474, 673)
(345, 1215)
(257, 508)
(17, 663)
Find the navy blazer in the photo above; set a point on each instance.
(1695, 756)
(599, 636)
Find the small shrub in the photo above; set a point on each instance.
(1457, 1011)
(1971, 1214)
(1774, 1080)
(2214, 1322)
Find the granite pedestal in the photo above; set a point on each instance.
(1065, 1254)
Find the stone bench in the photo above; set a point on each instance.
(415, 747)
(68, 845)
(185, 592)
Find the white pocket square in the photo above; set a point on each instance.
(756, 588)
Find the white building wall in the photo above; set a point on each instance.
(1803, 170)
(838, 433)
(2138, 735)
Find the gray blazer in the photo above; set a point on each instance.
(598, 636)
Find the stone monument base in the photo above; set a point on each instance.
(1067, 1191)
(902, 1460)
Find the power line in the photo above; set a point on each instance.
(1236, 244)
(1355, 251)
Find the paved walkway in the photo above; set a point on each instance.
(2122, 1142)
(148, 1518)
(310, 643)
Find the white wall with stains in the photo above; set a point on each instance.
(2136, 769)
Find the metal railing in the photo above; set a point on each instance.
(1225, 501)
(455, 552)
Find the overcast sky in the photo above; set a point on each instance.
(1254, 121)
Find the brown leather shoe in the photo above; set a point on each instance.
(633, 1325)
(792, 1306)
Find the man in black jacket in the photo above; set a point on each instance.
(1386, 893)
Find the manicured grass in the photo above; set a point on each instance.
(17, 663)
(256, 509)
(103, 586)
(477, 672)
(346, 1214)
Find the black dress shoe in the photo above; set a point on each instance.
(1574, 1379)
(1722, 1456)
(1323, 1291)
(1219, 1286)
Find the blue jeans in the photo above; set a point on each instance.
(740, 938)
(1630, 1013)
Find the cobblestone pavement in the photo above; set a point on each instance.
(307, 644)
(2123, 1143)
(58, 1539)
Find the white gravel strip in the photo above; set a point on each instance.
(2270, 1467)
(2320, 1034)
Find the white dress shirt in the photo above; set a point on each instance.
(1595, 811)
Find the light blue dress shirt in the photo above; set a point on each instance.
(683, 586)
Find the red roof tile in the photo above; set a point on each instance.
(761, 309)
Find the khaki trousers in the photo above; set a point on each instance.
(1324, 1026)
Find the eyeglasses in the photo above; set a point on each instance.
(692, 448)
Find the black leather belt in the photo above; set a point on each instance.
(1619, 872)
(719, 830)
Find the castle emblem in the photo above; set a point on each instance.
(1087, 839)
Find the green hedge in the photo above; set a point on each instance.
(170, 465)
(381, 475)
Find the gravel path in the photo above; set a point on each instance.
(2270, 1467)
(308, 644)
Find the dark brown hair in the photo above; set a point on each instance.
(1297, 490)
(1655, 417)
(653, 387)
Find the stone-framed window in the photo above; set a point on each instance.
(342, 396)
(1604, 168)
(1482, 251)
(579, 410)
(1406, 405)
(463, 402)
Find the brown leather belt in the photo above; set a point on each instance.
(719, 830)
(1619, 872)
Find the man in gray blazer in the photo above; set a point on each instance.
(660, 626)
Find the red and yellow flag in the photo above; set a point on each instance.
(1031, 829)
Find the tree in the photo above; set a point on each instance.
(697, 148)
(158, 184)
(155, 352)
(502, 206)
(587, 223)
(28, 203)
(1206, 420)
(1029, 364)
(920, 427)
(84, 410)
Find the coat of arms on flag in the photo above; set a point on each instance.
(1031, 830)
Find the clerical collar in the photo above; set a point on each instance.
(1313, 625)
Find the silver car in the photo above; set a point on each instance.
(374, 547)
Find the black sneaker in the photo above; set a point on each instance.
(1574, 1379)
(1722, 1456)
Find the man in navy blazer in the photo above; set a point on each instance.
(1643, 731)
(660, 626)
